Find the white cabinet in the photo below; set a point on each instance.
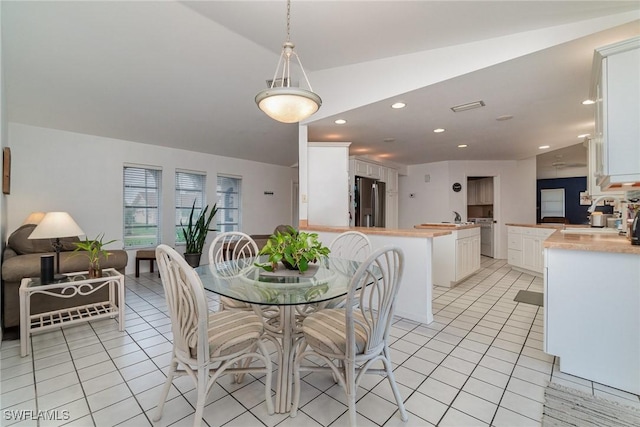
(467, 256)
(392, 180)
(616, 90)
(525, 247)
(391, 214)
(480, 191)
(456, 256)
(369, 170)
(591, 306)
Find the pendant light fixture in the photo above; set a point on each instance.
(281, 101)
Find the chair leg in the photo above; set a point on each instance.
(165, 390)
(269, 368)
(350, 389)
(201, 387)
(394, 386)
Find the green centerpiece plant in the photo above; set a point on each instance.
(195, 233)
(94, 249)
(294, 249)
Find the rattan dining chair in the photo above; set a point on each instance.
(232, 246)
(206, 345)
(350, 340)
(352, 245)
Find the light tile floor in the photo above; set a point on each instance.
(479, 363)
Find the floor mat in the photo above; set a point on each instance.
(529, 297)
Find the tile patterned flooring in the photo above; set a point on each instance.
(479, 363)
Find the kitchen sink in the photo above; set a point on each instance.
(592, 230)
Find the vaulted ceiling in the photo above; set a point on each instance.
(184, 74)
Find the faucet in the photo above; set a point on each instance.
(458, 218)
(592, 208)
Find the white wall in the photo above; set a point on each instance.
(82, 174)
(328, 185)
(435, 201)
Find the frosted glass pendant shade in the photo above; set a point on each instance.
(288, 104)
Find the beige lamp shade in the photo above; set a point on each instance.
(34, 218)
(55, 225)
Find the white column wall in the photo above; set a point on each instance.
(82, 174)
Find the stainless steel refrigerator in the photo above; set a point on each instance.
(369, 202)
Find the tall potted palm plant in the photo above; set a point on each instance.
(195, 233)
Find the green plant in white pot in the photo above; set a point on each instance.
(195, 233)
(294, 249)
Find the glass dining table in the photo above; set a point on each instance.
(282, 298)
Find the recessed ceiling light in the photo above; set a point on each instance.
(469, 106)
(439, 130)
(398, 105)
(340, 121)
(584, 135)
(505, 117)
(588, 102)
(462, 146)
(543, 147)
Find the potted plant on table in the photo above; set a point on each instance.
(94, 249)
(294, 249)
(195, 234)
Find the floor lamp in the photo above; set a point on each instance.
(55, 225)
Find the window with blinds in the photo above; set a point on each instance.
(229, 213)
(190, 188)
(141, 206)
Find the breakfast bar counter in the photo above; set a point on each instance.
(414, 301)
(592, 306)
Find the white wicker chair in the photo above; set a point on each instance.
(351, 339)
(352, 245)
(206, 345)
(236, 246)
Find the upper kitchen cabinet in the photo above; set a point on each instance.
(616, 90)
(480, 191)
(369, 170)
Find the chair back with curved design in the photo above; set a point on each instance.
(233, 246)
(371, 299)
(352, 245)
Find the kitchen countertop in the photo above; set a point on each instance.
(591, 242)
(400, 232)
(550, 225)
(445, 226)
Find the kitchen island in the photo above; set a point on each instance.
(456, 256)
(592, 306)
(415, 293)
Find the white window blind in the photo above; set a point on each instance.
(229, 211)
(190, 188)
(141, 206)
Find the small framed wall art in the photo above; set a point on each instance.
(6, 170)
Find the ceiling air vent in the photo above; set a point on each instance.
(469, 106)
(282, 82)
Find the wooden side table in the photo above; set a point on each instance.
(144, 255)
(73, 284)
